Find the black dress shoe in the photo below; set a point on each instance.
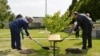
(19, 49)
(14, 48)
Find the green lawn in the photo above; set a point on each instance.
(5, 49)
(35, 33)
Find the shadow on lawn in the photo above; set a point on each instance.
(4, 52)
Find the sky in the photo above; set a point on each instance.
(37, 7)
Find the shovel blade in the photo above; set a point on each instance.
(47, 48)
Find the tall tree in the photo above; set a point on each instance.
(5, 13)
(86, 6)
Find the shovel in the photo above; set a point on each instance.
(44, 47)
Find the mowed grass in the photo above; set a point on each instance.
(35, 33)
(5, 48)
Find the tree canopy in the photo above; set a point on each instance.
(5, 14)
(86, 6)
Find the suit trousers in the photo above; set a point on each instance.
(87, 40)
(15, 39)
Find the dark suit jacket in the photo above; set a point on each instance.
(84, 23)
(18, 24)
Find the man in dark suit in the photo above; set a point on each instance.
(86, 26)
(15, 28)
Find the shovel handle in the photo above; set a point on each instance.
(37, 42)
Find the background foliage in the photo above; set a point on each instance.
(5, 14)
(86, 6)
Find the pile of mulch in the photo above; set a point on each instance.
(27, 51)
(73, 50)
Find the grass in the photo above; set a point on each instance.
(35, 33)
(5, 49)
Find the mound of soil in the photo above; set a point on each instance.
(27, 51)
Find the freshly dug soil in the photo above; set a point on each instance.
(27, 51)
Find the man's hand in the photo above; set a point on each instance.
(30, 37)
(73, 32)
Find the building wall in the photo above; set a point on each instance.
(37, 23)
